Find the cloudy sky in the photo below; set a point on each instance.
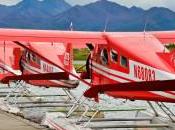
(141, 3)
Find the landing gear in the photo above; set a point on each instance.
(19, 89)
(163, 107)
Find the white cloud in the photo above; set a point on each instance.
(9, 2)
(79, 2)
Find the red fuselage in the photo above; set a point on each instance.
(32, 63)
(118, 57)
(133, 58)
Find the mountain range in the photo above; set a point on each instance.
(58, 14)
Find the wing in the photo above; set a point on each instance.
(165, 36)
(74, 37)
(166, 85)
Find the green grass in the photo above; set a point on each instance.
(77, 68)
(170, 47)
(81, 54)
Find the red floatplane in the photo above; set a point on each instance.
(129, 65)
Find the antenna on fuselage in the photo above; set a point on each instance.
(71, 26)
(106, 24)
(145, 26)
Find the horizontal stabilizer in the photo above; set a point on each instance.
(46, 76)
(165, 85)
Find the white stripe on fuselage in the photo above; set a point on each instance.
(160, 75)
(109, 76)
(54, 68)
(34, 70)
(114, 72)
(11, 70)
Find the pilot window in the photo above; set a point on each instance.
(38, 61)
(33, 57)
(124, 61)
(28, 56)
(114, 56)
(104, 56)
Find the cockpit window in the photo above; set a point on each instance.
(28, 56)
(33, 57)
(114, 56)
(38, 61)
(124, 61)
(104, 56)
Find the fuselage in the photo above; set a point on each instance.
(133, 58)
(32, 63)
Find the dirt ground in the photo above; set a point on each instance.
(12, 122)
